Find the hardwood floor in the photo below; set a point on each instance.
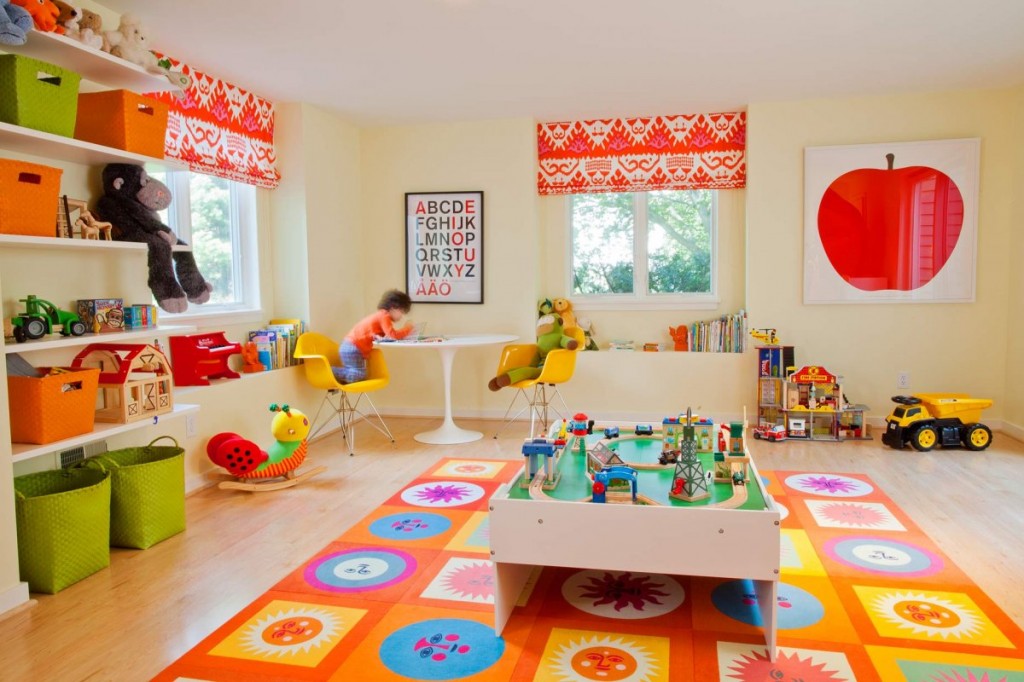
(130, 621)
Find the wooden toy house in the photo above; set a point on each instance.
(135, 380)
(816, 407)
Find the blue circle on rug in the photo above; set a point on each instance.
(407, 526)
(882, 556)
(797, 608)
(441, 649)
(360, 570)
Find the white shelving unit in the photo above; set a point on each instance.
(37, 143)
(23, 451)
(91, 64)
(28, 242)
(86, 339)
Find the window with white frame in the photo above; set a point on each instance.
(217, 218)
(644, 248)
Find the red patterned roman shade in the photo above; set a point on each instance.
(222, 130)
(690, 151)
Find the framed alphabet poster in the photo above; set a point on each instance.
(444, 247)
(891, 223)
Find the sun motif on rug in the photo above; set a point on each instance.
(756, 667)
(442, 494)
(471, 581)
(853, 515)
(605, 658)
(929, 615)
(955, 676)
(624, 589)
(290, 632)
(623, 594)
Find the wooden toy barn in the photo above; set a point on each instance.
(135, 380)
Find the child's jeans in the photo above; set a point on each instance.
(354, 364)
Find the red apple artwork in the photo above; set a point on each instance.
(892, 228)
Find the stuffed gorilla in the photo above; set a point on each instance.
(130, 201)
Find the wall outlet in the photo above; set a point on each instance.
(903, 380)
(190, 425)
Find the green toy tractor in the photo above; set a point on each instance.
(40, 318)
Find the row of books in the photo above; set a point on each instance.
(276, 342)
(727, 334)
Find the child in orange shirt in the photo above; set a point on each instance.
(358, 343)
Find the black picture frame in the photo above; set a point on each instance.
(444, 247)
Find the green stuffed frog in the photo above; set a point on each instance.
(550, 336)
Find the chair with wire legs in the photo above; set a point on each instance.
(541, 393)
(319, 355)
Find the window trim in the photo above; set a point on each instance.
(636, 300)
(242, 213)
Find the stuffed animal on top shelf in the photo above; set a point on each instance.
(550, 336)
(587, 326)
(563, 307)
(15, 23)
(67, 19)
(44, 13)
(131, 42)
(90, 29)
(130, 202)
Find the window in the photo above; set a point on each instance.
(644, 248)
(217, 218)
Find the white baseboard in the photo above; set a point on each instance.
(615, 416)
(1012, 430)
(13, 597)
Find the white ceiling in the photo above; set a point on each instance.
(406, 61)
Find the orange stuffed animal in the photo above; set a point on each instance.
(44, 13)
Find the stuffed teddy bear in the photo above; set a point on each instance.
(15, 23)
(67, 19)
(550, 337)
(564, 308)
(44, 13)
(90, 29)
(130, 202)
(130, 42)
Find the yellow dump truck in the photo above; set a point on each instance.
(928, 419)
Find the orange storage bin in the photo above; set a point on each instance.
(28, 198)
(53, 407)
(124, 120)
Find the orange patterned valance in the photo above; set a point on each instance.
(222, 130)
(690, 151)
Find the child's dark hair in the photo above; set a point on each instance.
(393, 298)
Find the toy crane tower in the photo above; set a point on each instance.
(689, 482)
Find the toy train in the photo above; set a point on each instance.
(611, 432)
(644, 430)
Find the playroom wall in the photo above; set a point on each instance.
(945, 347)
(1014, 413)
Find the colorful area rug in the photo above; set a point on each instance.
(406, 594)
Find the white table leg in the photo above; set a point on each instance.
(509, 581)
(767, 602)
(448, 433)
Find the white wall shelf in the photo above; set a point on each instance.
(59, 148)
(28, 242)
(91, 64)
(86, 339)
(24, 451)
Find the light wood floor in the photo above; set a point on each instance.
(149, 607)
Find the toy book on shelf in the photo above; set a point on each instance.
(726, 334)
(275, 343)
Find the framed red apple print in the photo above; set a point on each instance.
(891, 223)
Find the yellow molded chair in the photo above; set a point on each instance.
(539, 393)
(319, 353)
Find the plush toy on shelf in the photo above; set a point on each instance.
(587, 326)
(44, 13)
(67, 17)
(131, 42)
(550, 336)
(130, 203)
(250, 464)
(15, 23)
(90, 29)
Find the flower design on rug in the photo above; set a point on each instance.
(873, 515)
(442, 494)
(954, 676)
(830, 485)
(756, 667)
(618, 594)
(602, 657)
(825, 484)
(930, 615)
(290, 632)
(474, 581)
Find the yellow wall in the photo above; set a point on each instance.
(945, 347)
(1014, 412)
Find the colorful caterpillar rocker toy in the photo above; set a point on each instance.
(252, 466)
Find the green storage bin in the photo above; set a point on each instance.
(63, 522)
(147, 493)
(38, 95)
